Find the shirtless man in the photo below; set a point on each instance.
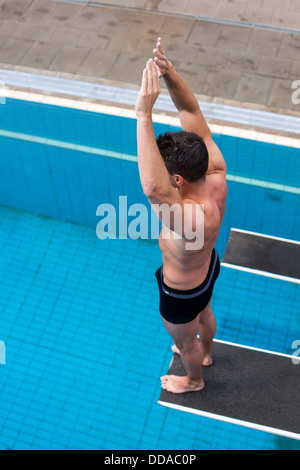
(183, 168)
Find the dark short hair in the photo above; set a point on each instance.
(184, 153)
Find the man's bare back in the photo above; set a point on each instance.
(186, 269)
(183, 168)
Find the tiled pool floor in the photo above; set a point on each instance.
(85, 346)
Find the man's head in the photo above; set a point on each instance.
(185, 154)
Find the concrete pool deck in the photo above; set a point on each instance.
(229, 52)
(240, 61)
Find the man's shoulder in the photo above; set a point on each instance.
(216, 162)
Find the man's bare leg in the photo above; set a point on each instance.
(207, 330)
(185, 338)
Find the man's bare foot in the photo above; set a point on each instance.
(207, 360)
(176, 384)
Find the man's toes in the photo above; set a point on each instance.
(166, 386)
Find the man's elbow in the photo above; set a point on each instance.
(150, 189)
(156, 194)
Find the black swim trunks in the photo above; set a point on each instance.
(182, 306)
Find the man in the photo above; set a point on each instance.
(181, 169)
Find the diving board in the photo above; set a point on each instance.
(263, 254)
(245, 386)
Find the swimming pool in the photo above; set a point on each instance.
(84, 351)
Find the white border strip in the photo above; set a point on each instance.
(261, 273)
(227, 419)
(253, 348)
(157, 117)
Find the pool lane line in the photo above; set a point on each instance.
(263, 184)
(133, 158)
(67, 145)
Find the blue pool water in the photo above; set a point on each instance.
(85, 346)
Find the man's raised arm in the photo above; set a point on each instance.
(154, 176)
(191, 117)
